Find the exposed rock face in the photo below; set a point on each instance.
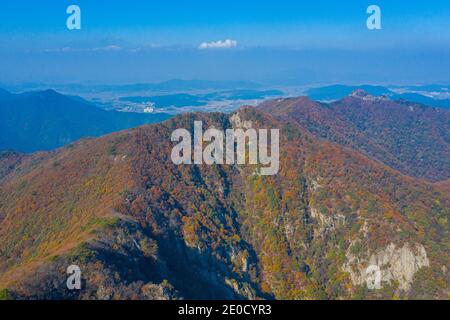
(238, 123)
(327, 222)
(395, 263)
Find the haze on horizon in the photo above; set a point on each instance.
(281, 42)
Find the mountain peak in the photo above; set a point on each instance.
(364, 95)
(361, 93)
(46, 94)
(300, 101)
(49, 92)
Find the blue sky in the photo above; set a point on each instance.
(276, 41)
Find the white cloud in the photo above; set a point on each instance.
(112, 47)
(221, 44)
(70, 49)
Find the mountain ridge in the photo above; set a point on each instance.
(218, 231)
(419, 94)
(45, 120)
(406, 136)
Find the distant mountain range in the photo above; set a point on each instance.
(46, 120)
(184, 99)
(141, 227)
(169, 86)
(419, 98)
(336, 92)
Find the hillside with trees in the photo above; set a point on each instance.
(409, 137)
(141, 227)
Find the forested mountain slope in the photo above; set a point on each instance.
(141, 227)
(412, 138)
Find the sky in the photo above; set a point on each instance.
(280, 42)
